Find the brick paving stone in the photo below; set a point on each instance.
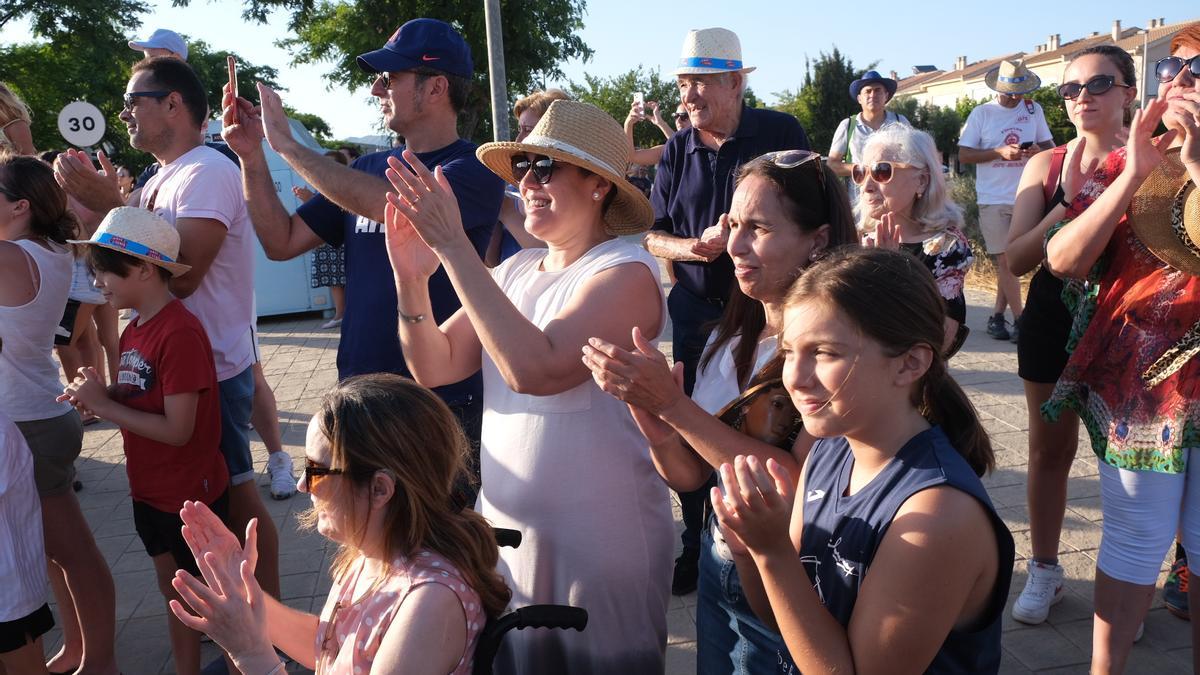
(299, 362)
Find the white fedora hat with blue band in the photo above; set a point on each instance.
(1012, 77)
(711, 50)
(141, 234)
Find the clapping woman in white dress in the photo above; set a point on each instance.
(561, 461)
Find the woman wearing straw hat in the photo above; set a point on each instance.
(561, 460)
(1134, 378)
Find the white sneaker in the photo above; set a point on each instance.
(1043, 589)
(283, 478)
(1137, 637)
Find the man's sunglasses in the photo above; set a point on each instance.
(131, 97)
(880, 172)
(681, 116)
(1095, 87)
(1169, 68)
(314, 474)
(541, 166)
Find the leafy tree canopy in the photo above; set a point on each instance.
(823, 100)
(538, 36)
(614, 95)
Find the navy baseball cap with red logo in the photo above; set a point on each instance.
(421, 43)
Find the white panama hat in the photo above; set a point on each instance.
(711, 50)
(141, 234)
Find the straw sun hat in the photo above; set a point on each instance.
(1165, 215)
(141, 234)
(585, 136)
(1013, 78)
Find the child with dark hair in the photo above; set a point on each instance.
(890, 491)
(165, 397)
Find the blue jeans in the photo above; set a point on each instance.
(730, 639)
(237, 403)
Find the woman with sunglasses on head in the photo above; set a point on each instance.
(561, 461)
(35, 279)
(1057, 185)
(414, 577)
(1133, 379)
(888, 556)
(787, 210)
(903, 203)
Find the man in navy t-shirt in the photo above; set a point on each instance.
(424, 72)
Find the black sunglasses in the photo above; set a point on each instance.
(314, 474)
(542, 167)
(1169, 68)
(131, 96)
(880, 172)
(681, 116)
(1095, 87)
(9, 193)
(386, 78)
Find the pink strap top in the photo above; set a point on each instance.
(350, 631)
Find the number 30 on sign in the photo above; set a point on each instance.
(81, 124)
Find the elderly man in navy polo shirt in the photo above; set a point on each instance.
(422, 78)
(692, 189)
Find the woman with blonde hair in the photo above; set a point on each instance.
(14, 122)
(903, 203)
(414, 579)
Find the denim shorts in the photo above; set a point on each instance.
(237, 402)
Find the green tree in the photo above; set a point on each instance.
(316, 125)
(823, 100)
(614, 95)
(940, 122)
(1056, 114)
(538, 36)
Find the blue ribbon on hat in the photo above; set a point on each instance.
(1012, 80)
(124, 244)
(710, 62)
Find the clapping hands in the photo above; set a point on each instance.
(755, 508)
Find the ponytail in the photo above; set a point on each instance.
(31, 179)
(945, 404)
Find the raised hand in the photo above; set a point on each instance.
(241, 123)
(1077, 175)
(756, 505)
(302, 193)
(91, 187)
(1142, 154)
(1187, 110)
(274, 121)
(887, 234)
(427, 201)
(412, 259)
(229, 606)
(640, 377)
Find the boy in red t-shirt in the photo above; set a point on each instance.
(165, 398)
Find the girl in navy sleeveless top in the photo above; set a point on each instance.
(890, 491)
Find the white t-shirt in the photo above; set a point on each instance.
(991, 125)
(716, 381)
(22, 550)
(203, 183)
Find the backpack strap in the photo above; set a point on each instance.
(848, 158)
(1053, 182)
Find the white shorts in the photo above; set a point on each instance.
(1142, 512)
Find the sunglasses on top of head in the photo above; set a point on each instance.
(1169, 68)
(1096, 86)
(880, 172)
(541, 166)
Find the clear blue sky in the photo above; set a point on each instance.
(776, 37)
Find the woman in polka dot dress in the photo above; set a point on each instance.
(414, 578)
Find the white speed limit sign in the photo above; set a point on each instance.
(81, 124)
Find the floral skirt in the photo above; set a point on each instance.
(328, 267)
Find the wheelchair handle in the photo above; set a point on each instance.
(551, 616)
(507, 537)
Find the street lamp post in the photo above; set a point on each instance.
(499, 86)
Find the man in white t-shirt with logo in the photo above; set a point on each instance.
(872, 91)
(1000, 136)
(199, 191)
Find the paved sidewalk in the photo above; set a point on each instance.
(299, 361)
